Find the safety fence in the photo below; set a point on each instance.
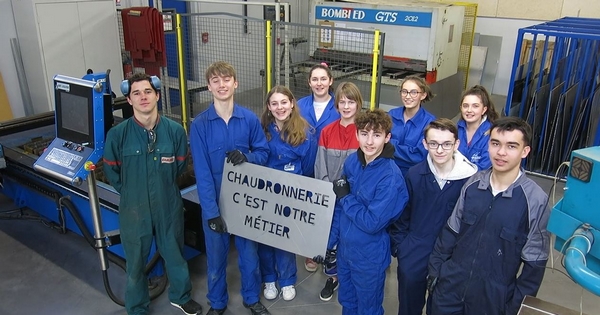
(264, 54)
(349, 53)
(467, 38)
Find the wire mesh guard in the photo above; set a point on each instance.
(347, 52)
(295, 48)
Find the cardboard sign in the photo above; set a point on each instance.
(276, 208)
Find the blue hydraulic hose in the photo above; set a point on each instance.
(575, 261)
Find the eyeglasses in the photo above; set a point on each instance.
(151, 140)
(445, 145)
(412, 93)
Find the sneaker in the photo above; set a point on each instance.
(310, 265)
(213, 311)
(330, 286)
(190, 307)
(330, 268)
(270, 291)
(288, 292)
(257, 309)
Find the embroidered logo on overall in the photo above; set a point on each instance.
(168, 159)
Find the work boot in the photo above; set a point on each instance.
(257, 309)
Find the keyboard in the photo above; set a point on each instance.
(63, 158)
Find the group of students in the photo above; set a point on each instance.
(407, 185)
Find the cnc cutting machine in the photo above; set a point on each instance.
(50, 159)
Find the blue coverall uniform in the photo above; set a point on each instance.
(150, 204)
(487, 239)
(210, 139)
(407, 136)
(276, 264)
(414, 234)
(377, 196)
(330, 114)
(477, 150)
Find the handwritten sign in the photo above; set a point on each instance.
(276, 208)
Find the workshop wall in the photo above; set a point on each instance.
(537, 9)
(497, 17)
(7, 64)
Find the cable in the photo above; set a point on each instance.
(9, 211)
(28, 217)
(553, 194)
(566, 163)
(112, 257)
(567, 241)
(68, 204)
(581, 302)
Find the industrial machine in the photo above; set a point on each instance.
(575, 220)
(49, 157)
(421, 37)
(79, 130)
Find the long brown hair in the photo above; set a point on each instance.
(486, 101)
(294, 128)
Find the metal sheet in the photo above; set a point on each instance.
(478, 55)
(448, 91)
(535, 306)
(539, 108)
(549, 119)
(492, 59)
(277, 208)
(594, 119)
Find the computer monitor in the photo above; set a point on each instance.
(73, 108)
(79, 130)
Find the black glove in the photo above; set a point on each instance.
(217, 224)
(431, 282)
(236, 157)
(341, 187)
(329, 257)
(318, 259)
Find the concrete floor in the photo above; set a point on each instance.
(45, 272)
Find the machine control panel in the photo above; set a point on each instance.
(79, 130)
(63, 158)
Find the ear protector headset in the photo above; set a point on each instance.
(126, 87)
